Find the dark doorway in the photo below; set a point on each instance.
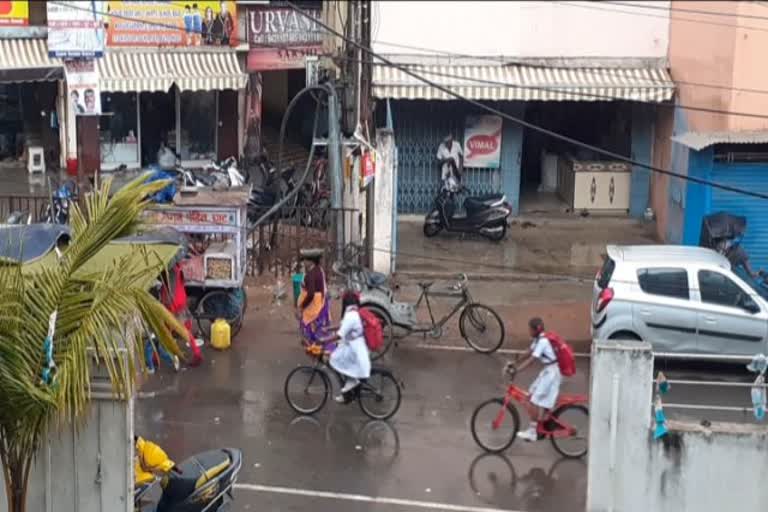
(158, 123)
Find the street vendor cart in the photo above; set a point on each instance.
(214, 223)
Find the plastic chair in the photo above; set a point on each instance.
(36, 160)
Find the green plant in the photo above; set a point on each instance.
(94, 298)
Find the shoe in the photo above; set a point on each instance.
(340, 399)
(528, 435)
(150, 371)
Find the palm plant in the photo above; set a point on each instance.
(93, 305)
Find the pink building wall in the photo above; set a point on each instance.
(711, 50)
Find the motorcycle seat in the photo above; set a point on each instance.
(479, 201)
(195, 472)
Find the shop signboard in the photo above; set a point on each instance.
(172, 23)
(83, 87)
(280, 38)
(482, 141)
(75, 29)
(14, 13)
(189, 217)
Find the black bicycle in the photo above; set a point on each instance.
(307, 388)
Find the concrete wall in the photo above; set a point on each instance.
(384, 205)
(520, 29)
(706, 49)
(90, 470)
(693, 468)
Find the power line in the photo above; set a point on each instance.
(686, 10)
(500, 59)
(532, 126)
(565, 90)
(661, 16)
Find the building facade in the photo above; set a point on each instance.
(714, 51)
(541, 62)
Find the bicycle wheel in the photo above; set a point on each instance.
(492, 478)
(387, 332)
(379, 397)
(576, 417)
(307, 389)
(492, 438)
(227, 304)
(481, 328)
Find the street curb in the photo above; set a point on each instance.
(523, 277)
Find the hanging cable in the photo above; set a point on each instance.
(537, 128)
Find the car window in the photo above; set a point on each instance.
(667, 282)
(717, 288)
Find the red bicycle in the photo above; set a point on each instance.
(495, 422)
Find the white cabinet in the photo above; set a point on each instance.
(595, 186)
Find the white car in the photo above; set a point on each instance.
(679, 299)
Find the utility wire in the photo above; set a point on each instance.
(501, 59)
(686, 10)
(532, 126)
(660, 16)
(571, 92)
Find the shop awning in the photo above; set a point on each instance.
(702, 140)
(26, 60)
(496, 82)
(128, 71)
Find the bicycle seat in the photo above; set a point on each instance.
(376, 279)
(425, 285)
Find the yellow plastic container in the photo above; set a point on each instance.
(221, 334)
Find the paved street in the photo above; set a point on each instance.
(422, 459)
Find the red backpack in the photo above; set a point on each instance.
(564, 352)
(372, 329)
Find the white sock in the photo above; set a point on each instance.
(350, 384)
(532, 427)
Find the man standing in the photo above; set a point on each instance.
(450, 158)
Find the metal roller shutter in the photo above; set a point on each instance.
(752, 177)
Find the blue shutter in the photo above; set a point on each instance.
(753, 177)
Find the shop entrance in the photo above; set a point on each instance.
(603, 124)
(158, 124)
(28, 118)
(278, 89)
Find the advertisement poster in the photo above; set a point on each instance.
(172, 23)
(280, 37)
(75, 29)
(482, 142)
(14, 13)
(83, 87)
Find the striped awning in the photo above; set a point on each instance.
(26, 60)
(495, 82)
(129, 71)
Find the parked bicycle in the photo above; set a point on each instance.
(495, 422)
(479, 325)
(307, 388)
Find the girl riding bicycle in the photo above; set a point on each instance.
(546, 387)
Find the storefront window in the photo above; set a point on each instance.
(118, 132)
(198, 125)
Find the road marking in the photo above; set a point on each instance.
(468, 349)
(378, 500)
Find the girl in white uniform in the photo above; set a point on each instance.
(350, 358)
(546, 387)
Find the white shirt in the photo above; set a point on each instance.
(351, 327)
(443, 153)
(542, 350)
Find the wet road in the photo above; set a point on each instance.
(424, 458)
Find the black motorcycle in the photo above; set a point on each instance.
(485, 215)
(202, 483)
(268, 187)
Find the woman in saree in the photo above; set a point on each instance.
(313, 304)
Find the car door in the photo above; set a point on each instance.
(664, 314)
(730, 319)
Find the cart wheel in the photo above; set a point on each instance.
(227, 304)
